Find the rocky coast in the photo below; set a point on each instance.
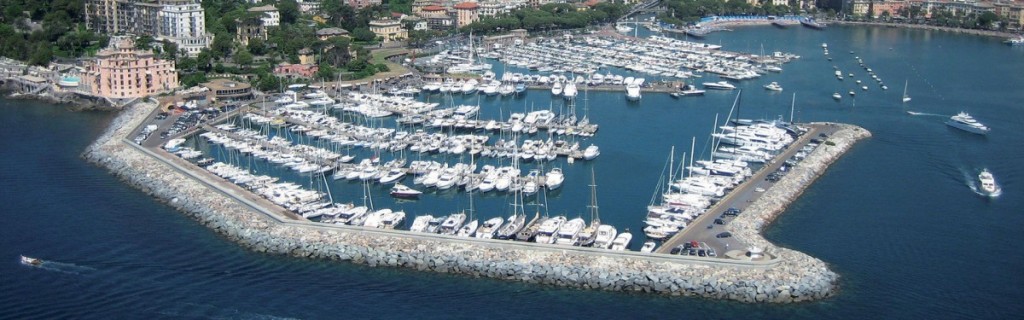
(790, 276)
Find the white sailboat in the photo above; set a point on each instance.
(906, 98)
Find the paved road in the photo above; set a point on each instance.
(741, 197)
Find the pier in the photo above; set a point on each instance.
(739, 198)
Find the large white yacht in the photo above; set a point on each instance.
(988, 184)
(633, 91)
(721, 85)
(966, 122)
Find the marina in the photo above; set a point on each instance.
(909, 185)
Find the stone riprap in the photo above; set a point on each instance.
(791, 277)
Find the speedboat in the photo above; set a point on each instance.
(402, 191)
(591, 152)
(988, 184)
(556, 89)
(774, 86)
(554, 178)
(649, 246)
(721, 85)
(29, 261)
(605, 235)
(621, 242)
(966, 122)
(421, 223)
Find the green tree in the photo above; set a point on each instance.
(243, 59)
(42, 55)
(363, 34)
(257, 46)
(289, 11)
(144, 42)
(382, 67)
(170, 50)
(325, 72)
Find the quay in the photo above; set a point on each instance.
(703, 229)
(786, 276)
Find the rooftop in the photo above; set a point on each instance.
(466, 6)
(331, 31)
(266, 8)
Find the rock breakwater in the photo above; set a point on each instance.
(791, 277)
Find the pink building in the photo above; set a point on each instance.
(292, 71)
(121, 71)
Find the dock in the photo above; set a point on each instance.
(739, 198)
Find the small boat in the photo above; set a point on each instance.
(852, 93)
(649, 246)
(691, 90)
(837, 96)
(402, 191)
(812, 24)
(1018, 41)
(621, 242)
(774, 86)
(966, 122)
(29, 261)
(988, 184)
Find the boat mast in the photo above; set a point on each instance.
(792, 108)
(595, 218)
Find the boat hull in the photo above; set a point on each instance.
(967, 128)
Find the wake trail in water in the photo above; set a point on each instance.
(64, 267)
(915, 113)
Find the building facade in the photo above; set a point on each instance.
(121, 72)
(466, 13)
(388, 30)
(359, 4)
(309, 6)
(268, 15)
(182, 22)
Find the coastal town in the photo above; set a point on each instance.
(322, 94)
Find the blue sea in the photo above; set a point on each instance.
(897, 217)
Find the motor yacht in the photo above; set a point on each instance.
(966, 122)
(988, 184)
(401, 191)
(720, 85)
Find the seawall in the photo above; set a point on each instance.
(791, 277)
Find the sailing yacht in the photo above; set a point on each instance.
(906, 98)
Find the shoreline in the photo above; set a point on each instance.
(976, 32)
(791, 277)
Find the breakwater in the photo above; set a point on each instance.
(789, 276)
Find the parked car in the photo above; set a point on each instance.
(723, 235)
